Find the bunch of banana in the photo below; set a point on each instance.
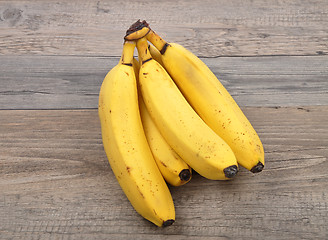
(206, 95)
(165, 114)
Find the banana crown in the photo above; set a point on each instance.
(140, 30)
(137, 30)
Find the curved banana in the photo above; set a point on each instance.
(174, 170)
(196, 143)
(126, 145)
(211, 101)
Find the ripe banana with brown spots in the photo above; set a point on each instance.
(126, 145)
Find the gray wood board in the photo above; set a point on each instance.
(57, 82)
(56, 183)
(208, 28)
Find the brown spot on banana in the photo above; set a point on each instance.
(163, 164)
(140, 192)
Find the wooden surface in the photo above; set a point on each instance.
(55, 181)
(46, 81)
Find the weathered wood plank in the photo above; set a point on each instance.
(57, 82)
(208, 28)
(56, 183)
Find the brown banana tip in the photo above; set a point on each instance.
(257, 168)
(168, 222)
(138, 25)
(231, 171)
(185, 175)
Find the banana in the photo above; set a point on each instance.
(174, 170)
(126, 145)
(195, 142)
(210, 100)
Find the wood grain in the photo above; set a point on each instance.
(56, 183)
(61, 82)
(208, 28)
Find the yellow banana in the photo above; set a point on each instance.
(211, 101)
(195, 142)
(174, 170)
(126, 145)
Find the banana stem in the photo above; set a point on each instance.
(127, 54)
(143, 52)
(157, 41)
